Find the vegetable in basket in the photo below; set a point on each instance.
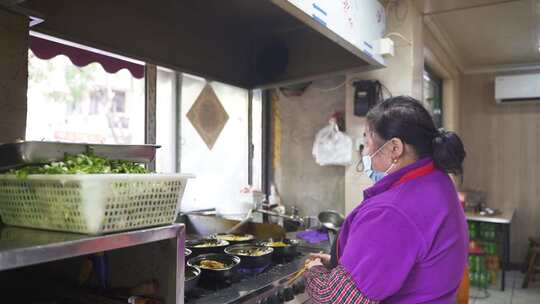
(85, 163)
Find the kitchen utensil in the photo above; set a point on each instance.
(241, 223)
(207, 211)
(251, 261)
(297, 275)
(216, 275)
(300, 272)
(331, 220)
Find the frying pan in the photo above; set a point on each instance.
(216, 275)
(283, 252)
(251, 261)
(192, 274)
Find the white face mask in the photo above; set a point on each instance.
(374, 174)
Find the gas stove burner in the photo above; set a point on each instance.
(252, 271)
(215, 285)
(232, 290)
(285, 259)
(195, 293)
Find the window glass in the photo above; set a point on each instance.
(73, 104)
(166, 121)
(220, 162)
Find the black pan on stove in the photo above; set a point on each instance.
(252, 255)
(192, 275)
(215, 267)
(285, 248)
(203, 246)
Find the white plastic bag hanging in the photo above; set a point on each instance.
(332, 147)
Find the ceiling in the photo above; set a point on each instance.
(487, 33)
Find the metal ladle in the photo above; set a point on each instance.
(332, 221)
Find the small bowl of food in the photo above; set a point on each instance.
(252, 256)
(234, 238)
(203, 246)
(215, 266)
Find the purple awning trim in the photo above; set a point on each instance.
(47, 49)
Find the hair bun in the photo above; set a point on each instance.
(448, 151)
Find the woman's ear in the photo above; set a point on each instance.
(398, 148)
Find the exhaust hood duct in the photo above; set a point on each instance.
(271, 61)
(247, 43)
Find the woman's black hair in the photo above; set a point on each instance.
(405, 118)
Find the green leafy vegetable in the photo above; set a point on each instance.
(86, 163)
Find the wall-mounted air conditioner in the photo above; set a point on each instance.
(517, 88)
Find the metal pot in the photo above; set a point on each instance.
(248, 260)
(214, 246)
(192, 275)
(216, 275)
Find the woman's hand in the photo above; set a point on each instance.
(313, 262)
(323, 257)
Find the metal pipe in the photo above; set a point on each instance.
(293, 218)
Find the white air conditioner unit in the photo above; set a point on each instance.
(517, 88)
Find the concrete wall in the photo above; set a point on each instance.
(13, 75)
(299, 180)
(402, 76)
(502, 144)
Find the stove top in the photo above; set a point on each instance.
(249, 285)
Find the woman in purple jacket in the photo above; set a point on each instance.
(407, 241)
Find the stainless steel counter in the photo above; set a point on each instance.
(21, 247)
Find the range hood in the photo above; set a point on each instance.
(248, 43)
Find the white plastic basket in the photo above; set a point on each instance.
(91, 203)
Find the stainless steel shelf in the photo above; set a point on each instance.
(21, 247)
(505, 217)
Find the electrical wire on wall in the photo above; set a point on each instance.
(333, 88)
(398, 10)
(396, 34)
(329, 84)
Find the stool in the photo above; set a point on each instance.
(533, 242)
(533, 257)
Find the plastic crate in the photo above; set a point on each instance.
(91, 203)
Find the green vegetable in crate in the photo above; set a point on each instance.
(86, 163)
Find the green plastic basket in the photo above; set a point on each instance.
(91, 203)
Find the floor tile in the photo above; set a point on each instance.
(513, 294)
